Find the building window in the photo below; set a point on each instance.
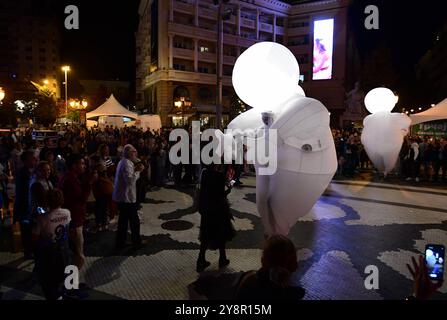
(299, 41)
(299, 23)
(180, 67)
(205, 95)
(204, 49)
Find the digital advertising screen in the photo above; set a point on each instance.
(323, 49)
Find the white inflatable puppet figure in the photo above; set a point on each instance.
(266, 78)
(383, 131)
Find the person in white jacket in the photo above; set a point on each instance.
(125, 195)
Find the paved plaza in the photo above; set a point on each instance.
(353, 225)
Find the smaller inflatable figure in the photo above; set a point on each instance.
(384, 131)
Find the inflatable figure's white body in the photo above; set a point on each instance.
(383, 132)
(306, 157)
(382, 137)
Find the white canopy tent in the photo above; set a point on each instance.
(147, 121)
(438, 112)
(111, 108)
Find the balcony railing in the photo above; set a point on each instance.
(279, 30)
(207, 13)
(266, 27)
(206, 56)
(229, 60)
(248, 23)
(184, 6)
(183, 53)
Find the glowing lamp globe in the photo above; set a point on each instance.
(380, 100)
(266, 75)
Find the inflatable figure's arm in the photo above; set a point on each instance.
(249, 120)
(367, 120)
(304, 124)
(402, 122)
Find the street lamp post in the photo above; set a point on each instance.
(222, 15)
(66, 69)
(219, 66)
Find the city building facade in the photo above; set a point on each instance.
(30, 49)
(177, 53)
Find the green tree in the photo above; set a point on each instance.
(45, 112)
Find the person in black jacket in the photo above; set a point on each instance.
(272, 281)
(21, 201)
(216, 227)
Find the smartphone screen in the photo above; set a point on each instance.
(434, 258)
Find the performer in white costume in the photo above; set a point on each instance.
(265, 77)
(383, 132)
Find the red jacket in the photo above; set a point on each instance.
(75, 196)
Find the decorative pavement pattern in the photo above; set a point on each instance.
(353, 225)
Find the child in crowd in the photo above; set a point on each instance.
(50, 235)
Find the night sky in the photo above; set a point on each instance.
(104, 47)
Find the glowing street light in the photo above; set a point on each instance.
(46, 82)
(182, 103)
(2, 94)
(66, 69)
(178, 104)
(432, 105)
(85, 104)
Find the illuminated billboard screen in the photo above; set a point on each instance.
(323, 49)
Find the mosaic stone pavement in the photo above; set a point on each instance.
(353, 225)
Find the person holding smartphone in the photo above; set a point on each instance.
(216, 228)
(424, 270)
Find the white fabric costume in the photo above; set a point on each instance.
(383, 131)
(306, 157)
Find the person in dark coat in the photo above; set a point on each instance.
(216, 227)
(21, 201)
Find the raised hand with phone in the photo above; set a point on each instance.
(427, 269)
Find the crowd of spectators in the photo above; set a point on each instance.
(421, 158)
(55, 180)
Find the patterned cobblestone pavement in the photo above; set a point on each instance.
(353, 225)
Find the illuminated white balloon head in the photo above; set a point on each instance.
(380, 100)
(266, 75)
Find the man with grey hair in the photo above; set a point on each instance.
(125, 195)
